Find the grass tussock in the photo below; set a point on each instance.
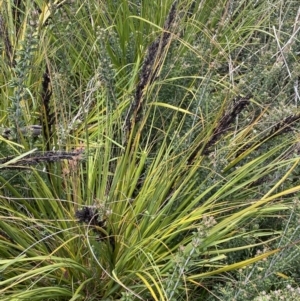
(149, 151)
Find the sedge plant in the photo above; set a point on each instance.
(157, 150)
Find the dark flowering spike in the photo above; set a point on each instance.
(87, 215)
(222, 127)
(48, 118)
(150, 68)
(279, 128)
(226, 121)
(284, 125)
(90, 216)
(40, 157)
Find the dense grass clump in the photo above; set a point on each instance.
(149, 150)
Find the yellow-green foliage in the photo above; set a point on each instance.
(164, 161)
